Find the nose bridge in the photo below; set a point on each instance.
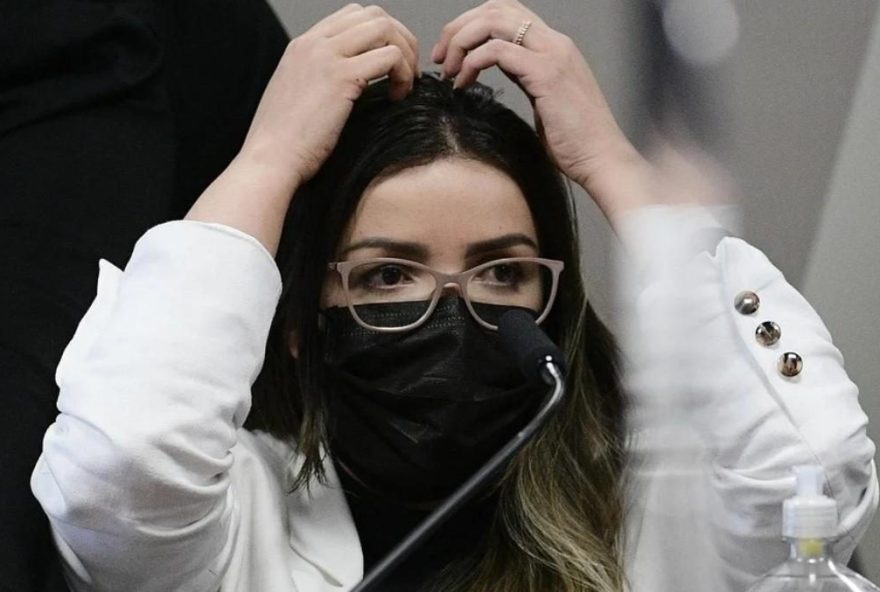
(451, 286)
(450, 283)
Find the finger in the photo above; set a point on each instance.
(412, 41)
(493, 9)
(474, 34)
(355, 17)
(438, 54)
(373, 12)
(523, 10)
(389, 60)
(515, 60)
(373, 34)
(330, 22)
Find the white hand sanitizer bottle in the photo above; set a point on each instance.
(809, 523)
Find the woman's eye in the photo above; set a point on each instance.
(503, 273)
(386, 276)
(390, 275)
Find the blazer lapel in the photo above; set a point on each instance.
(322, 529)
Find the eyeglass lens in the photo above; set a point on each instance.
(525, 284)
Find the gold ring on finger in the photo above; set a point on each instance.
(520, 35)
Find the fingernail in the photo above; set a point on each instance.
(442, 75)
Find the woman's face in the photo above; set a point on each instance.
(451, 214)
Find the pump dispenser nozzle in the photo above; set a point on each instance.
(809, 522)
(809, 514)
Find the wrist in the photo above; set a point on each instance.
(622, 181)
(276, 181)
(249, 196)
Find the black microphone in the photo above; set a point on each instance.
(538, 359)
(529, 346)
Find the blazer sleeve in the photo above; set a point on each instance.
(718, 427)
(134, 473)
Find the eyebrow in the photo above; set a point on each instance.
(499, 243)
(419, 251)
(404, 249)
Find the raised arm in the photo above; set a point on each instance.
(301, 114)
(718, 422)
(703, 381)
(135, 471)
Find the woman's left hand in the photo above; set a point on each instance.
(571, 113)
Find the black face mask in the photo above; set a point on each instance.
(412, 415)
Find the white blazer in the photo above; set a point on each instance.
(151, 483)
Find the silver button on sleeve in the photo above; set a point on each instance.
(790, 364)
(768, 333)
(746, 303)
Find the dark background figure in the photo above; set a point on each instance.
(114, 116)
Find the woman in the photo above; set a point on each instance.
(409, 222)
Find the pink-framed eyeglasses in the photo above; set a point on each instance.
(525, 282)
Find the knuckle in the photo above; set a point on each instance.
(392, 54)
(388, 25)
(395, 52)
(345, 75)
(375, 10)
(296, 45)
(567, 42)
(496, 46)
(382, 25)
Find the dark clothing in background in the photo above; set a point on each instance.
(114, 116)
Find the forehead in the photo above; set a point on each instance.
(444, 205)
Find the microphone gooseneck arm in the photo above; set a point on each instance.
(548, 368)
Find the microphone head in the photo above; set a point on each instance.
(528, 344)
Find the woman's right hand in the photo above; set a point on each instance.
(302, 112)
(322, 72)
